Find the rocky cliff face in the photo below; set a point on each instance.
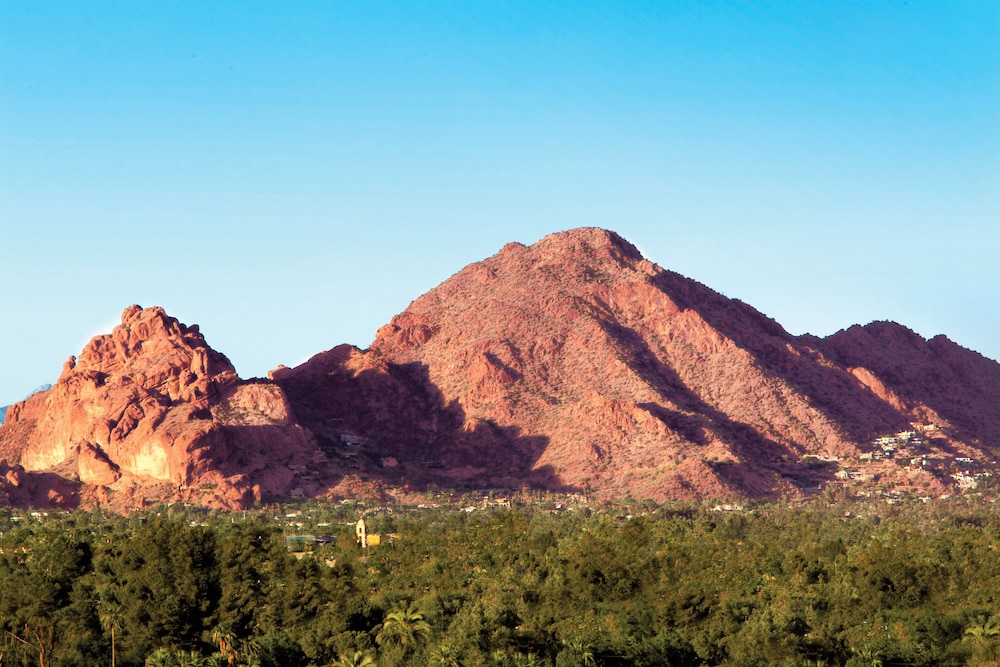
(152, 405)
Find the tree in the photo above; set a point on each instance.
(236, 651)
(277, 649)
(166, 579)
(223, 636)
(583, 652)
(405, 628)
(161, 657)
(982, 630)
(354, 659)
(870, 656)
(499, 658)
(110, 614)
(190, 659)
(248, 652)
(445, 656)
(983, 634)
(39, 640)
(42, 599)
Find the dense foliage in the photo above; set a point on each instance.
(825, 584)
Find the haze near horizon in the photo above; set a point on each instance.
(290, 177)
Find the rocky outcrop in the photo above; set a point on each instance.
(20, 488)
(152, 404)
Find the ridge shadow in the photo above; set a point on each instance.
(395, 412)
(838, 395)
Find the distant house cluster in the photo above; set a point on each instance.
(914, 450)
(887, 446)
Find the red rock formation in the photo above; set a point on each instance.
(20, 488)
(576, 363)
(572, 364)
(152, 403)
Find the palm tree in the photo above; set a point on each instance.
(498, 658)
(248, 652)
(870, 655)
(405, 628)
(445, 656)
(983, 632)
(224, 637)
(583, 651)
(189, 659)
(110, 615)
(355, 659)
(161, 657)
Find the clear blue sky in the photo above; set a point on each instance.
(290, 175)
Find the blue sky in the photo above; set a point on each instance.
(291, 175)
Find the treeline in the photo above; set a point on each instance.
(816, 585)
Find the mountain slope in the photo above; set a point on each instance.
(574, 364)
(934, 381)
(3, 410)
(578, 364)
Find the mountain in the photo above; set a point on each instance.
(151, 411)
(931, 381)
(574, 365)
(577, 364)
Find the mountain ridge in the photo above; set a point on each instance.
(574, 364)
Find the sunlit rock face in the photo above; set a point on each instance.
(577, 364)
(151, 403)
(573, 364)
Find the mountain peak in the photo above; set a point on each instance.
(589, 242)
(577, 363)
(155, 349)
(150, 403)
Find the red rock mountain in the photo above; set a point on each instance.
(574, 364)
(150, 410)
(930, 381)
(577, 364)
